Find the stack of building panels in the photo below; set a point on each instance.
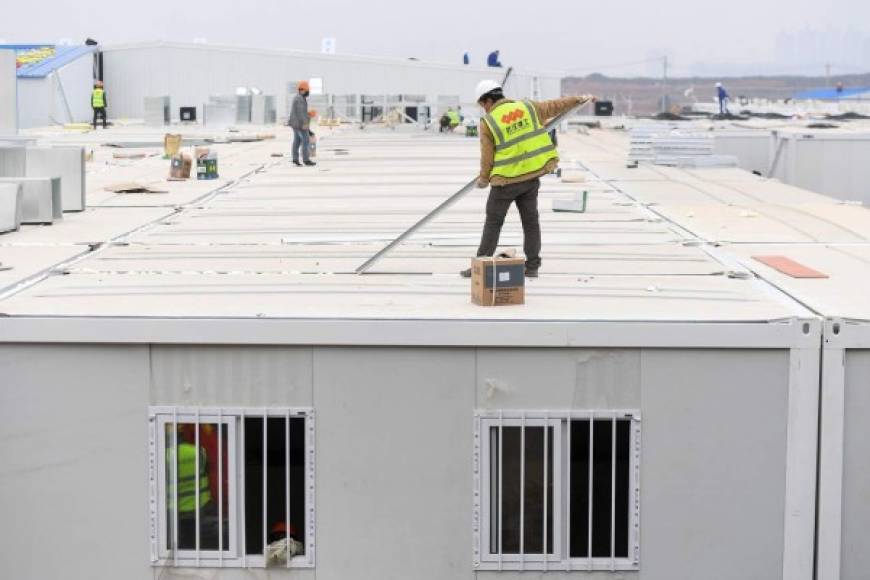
(346, 106)
(13, 161)
(220, 111)
(65, 162)
(157, 111)
(41, 201)
(243, 108)
(11, 207)
(263, 110)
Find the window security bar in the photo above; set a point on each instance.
(190, 447)
(530, 515)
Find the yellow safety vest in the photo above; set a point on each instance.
(186, 467)
(522, 144)
(98, 98)
(454, 118)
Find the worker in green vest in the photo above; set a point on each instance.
(186, 472)
(98, 103)
(515, 151)
(453, 116)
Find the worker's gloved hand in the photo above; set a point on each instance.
(481, 184)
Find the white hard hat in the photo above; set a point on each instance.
(484, 87)
(718, 84)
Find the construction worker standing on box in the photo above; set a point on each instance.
(300, 122)
(515, 151)
(98, 103)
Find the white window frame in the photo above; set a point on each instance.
(232, 556)
(485, 558)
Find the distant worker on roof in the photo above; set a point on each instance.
(466, 58)
(515, 151)
(449, 120)
(300, 122)
(98, 103)
(492, 59)
(723, 97)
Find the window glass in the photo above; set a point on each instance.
(278, 528)
(604, 494)
(532, 490)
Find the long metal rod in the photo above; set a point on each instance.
(447, 203)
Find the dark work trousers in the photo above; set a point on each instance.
(301, 142)
(101, 113)
(525, 195)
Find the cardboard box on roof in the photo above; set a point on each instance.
(498, 281)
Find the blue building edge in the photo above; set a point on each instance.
(63, 55)
(834, 95)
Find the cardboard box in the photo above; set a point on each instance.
(206, 166)
(171, 144)
(498, 281)
(180, 166)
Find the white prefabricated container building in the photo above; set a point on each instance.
(651, 411)
(829, 162)
(191, 73)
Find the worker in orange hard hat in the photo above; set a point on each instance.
(300, 122)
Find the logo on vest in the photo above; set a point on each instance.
(514, 115)
(515, 121)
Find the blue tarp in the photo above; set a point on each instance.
(62, 56)
(833, 94)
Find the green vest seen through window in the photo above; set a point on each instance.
(186, 467)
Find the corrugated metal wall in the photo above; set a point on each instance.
(856, 472)
(190, 73)
(394, 450)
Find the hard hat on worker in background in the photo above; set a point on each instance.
(303, 86)
(718, 85)
(484, 87)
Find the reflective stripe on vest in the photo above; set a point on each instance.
(522, 144)
(186, 474)
(98, 98)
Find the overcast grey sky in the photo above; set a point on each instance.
(732, 37)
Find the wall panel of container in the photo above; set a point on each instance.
(557, 490)
(232, 487)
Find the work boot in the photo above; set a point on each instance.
(310, 163)
(530, 273)
(465, 273)
(296, 163)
